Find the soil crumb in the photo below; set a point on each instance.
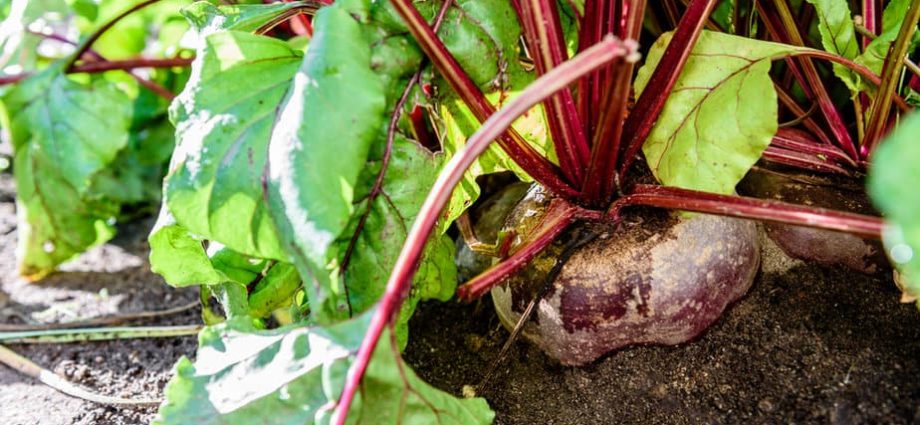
(110, 279)
(808, 344)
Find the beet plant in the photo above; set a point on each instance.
(324, 149)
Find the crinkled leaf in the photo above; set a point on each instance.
(63, 133)
(214, 187)
(892, 186)
(293, 375)
(412, 171)
(720, 116)
(838, 35)
(320, 145)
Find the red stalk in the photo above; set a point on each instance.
(751, 208)
(127, 64)
(543, 29)
(86, 44)
(876, 126)
(786, 99)
(649, 105)
(783, 156)
(599, 185)
(558, 217)
(800, 141)
(814, 81)
(538, 167)
(401, 277)
(872, 20)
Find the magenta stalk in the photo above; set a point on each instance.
(401, 276)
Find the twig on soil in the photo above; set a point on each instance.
(58, 336)
(27, 367)
(98, 321)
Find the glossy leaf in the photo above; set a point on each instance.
(891, 186)
(319, 147)
(207, 18)
(720, 117)
(214, 187)
(64, 132)
(293, 375)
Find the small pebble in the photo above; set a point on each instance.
(765, 405)
(99, 359)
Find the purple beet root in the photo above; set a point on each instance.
(660, 278)
(820, 246)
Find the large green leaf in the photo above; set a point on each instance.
(214, 187)
(837, 34)
(319, 147)
(892, 186)
(412, 171)
(294, 375)
(63, 133)
(720, 116)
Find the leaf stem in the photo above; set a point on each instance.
(401, 277)
(57, 336)
(812, 79)
(377, 188)
(543, 32)
(891, 74)
(538, 167)
(650, 103)
(559, 215)
(88, 43)
(751, 208)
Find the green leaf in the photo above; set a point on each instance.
(136, 174)
(720, 116)
(207, 18)
(293, 375)
(179, 256)
(275, 290)
(320, 146)
(411, 172)
(214, 187)
(838, 35)
(63, 132)
(892, 180)
(892, 17)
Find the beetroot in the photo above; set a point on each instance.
(820, 246)
(659, 278)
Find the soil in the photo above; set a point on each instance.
(808, 345)
(110, 279)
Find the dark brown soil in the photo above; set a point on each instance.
(807, 345)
